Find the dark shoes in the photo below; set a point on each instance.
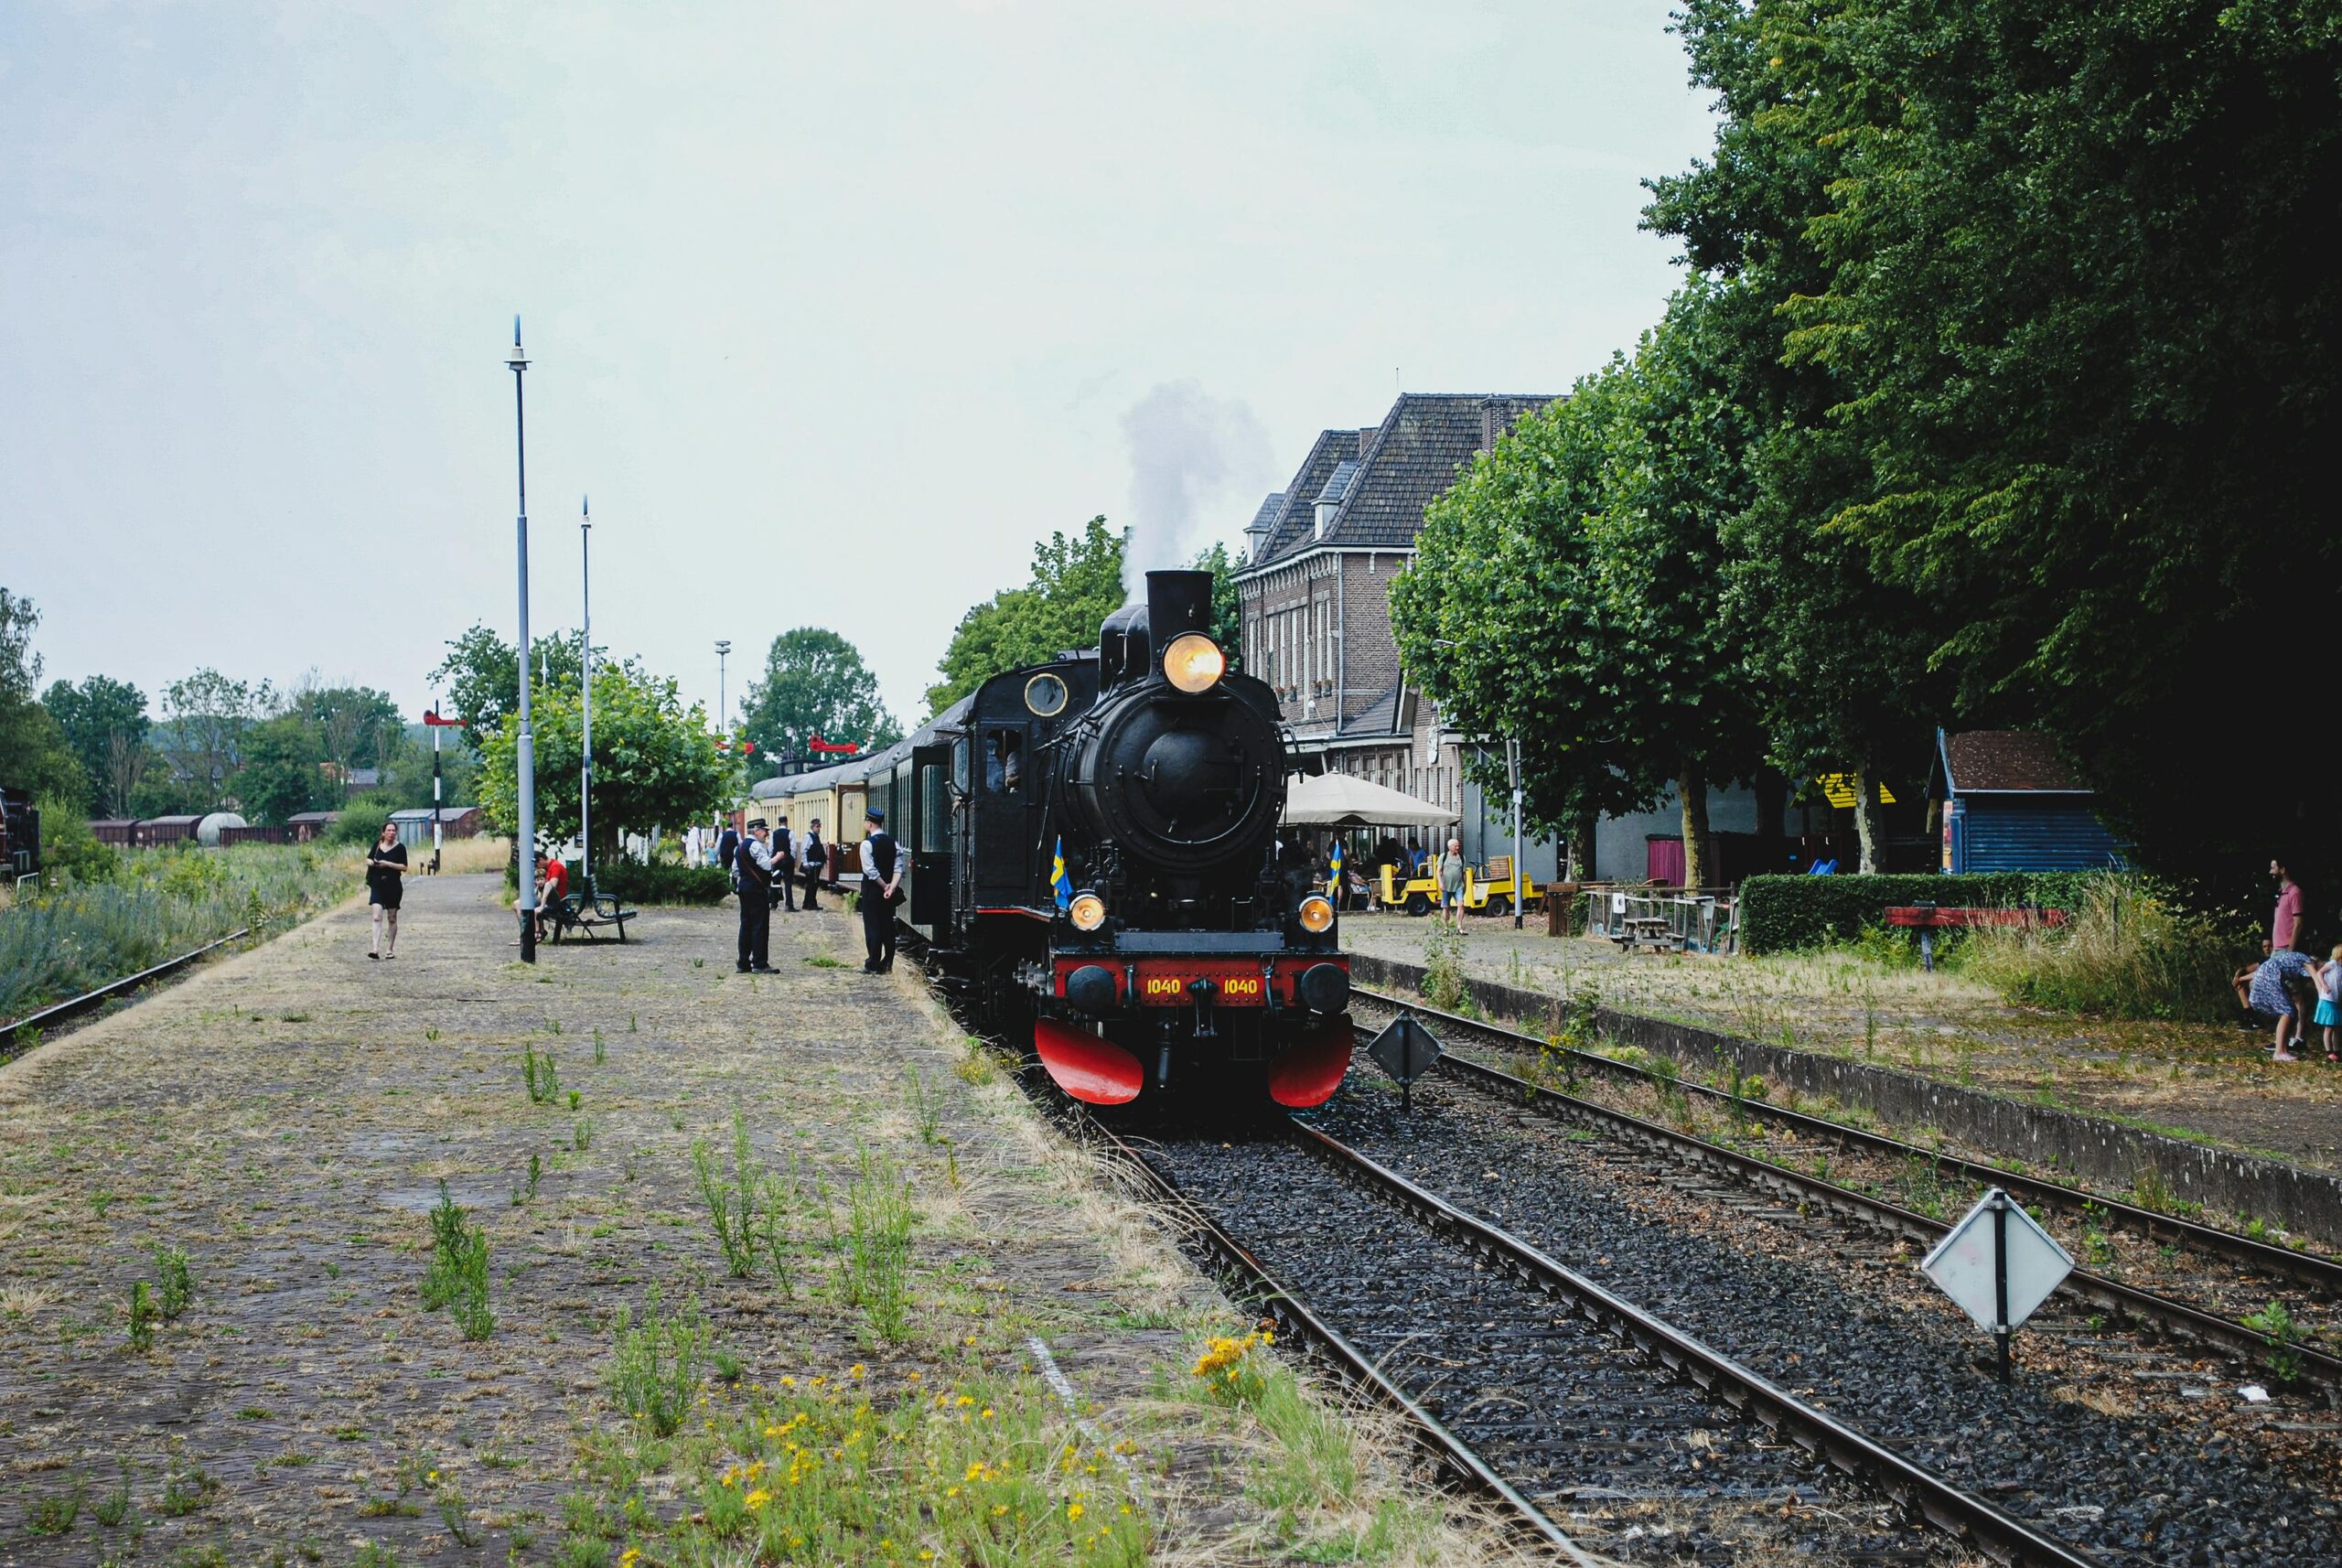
(739, 969)
(764, 969)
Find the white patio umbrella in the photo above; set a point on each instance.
(1344, 800)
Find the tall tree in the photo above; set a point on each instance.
(815, 683)
(1569, 590)
(282, 771)
(355, 726)
(205, 719)
(2071, 288)
(104, 721)
(34, 753)
(655, 761)
(1077, 583)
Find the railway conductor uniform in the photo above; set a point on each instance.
(882, 878)
(752, 873)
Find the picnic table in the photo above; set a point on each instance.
(1927, 918)
(1657, 931)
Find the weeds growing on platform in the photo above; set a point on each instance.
(655, 1363)
(2128, 951)
(539, 1076)
(875, 1270)
(751, 1210)
(986, 1470)
(458, 1276)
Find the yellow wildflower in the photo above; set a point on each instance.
(1072, 1512)
(757, 1500)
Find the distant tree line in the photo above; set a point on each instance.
(209, 742)
(2002, 393)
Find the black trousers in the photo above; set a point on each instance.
(785, 883)
(812, 887)
(877, 929)
(756, 930)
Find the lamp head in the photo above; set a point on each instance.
(516, 359)
(586, 509)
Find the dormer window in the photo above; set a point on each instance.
(1329, 503)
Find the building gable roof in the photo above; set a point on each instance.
(2006, 761)
(1397, 469)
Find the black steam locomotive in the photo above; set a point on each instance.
(1094, 858)
(1116, 876)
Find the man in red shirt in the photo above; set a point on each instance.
(553, 886)
(2286, 924)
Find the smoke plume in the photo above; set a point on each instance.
(1197, 463)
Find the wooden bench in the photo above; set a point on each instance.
(577, 913)
(1927, 918)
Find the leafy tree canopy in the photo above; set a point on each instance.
(355, 726)
(815, 683)
(655, 761)
(33, 752)
(205, 716)
(104, 721)
(281, 773)
(2062, 272)
(480, 677)
(1569, 589)
(1077, 583)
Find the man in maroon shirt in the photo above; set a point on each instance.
(2286, 924)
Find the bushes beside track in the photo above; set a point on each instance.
(631, 882)
(1784, 914)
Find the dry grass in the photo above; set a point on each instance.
(481, 853)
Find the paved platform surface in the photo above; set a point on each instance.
(2205, 1082)
(287, 1117)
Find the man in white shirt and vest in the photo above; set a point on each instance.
(883, 864)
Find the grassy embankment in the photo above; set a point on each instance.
(146, 905)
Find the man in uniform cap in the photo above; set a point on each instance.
(752, 874)
(883, 864)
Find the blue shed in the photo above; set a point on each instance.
(2012, 803)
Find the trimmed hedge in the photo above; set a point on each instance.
(630, 882)
(1782, 914)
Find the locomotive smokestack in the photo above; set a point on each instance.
(1177, 602)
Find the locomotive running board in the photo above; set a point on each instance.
(1098, 1072)
(1313, 1067)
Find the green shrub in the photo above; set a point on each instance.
(361, 820)
(630, 882)
(2128, 951)
(67, 847)
(1783, 914)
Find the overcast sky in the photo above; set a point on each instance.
(834, 309)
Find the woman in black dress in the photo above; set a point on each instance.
(385, 873)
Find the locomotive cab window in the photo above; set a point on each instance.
(1004, 760)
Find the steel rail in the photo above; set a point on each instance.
(2322, 1273)
(1999, 1534)
(57, 1011)
(1352, 1363)
(2096, 1290)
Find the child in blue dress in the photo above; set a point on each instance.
(2329, 1001)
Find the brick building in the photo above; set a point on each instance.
(1316, 591)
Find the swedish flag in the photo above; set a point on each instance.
(1058, 877)
(1335, 860)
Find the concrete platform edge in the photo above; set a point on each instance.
(2089, 1148)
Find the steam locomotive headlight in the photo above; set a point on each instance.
(1193, 662)
(1088, 911)
(1316, 914)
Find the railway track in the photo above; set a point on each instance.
(13, 1033)
(1660, 1447)
(2320, 1279)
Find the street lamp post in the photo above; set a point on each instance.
(1519, 870)
(586, 780)
(722, 701)
(526, 748)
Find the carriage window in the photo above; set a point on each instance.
(960, 766)
(1003, 759)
